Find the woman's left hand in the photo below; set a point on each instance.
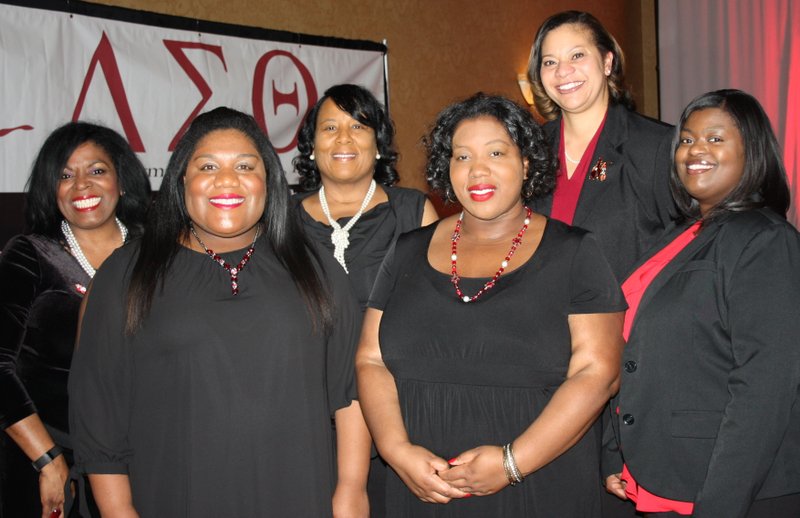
(350, 502)
(478, 471)
(52, 481)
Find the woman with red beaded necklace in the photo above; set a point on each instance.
(494, 327)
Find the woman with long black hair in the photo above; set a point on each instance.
(214, 353)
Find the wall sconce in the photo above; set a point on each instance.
(525, 88)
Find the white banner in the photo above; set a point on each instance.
(148, 82)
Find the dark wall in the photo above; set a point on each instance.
(12, 216)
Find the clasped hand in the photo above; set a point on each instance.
(432, 479)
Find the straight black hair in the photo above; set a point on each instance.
(168, 223)
(763, 182)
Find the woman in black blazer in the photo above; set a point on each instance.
(613, 162)
(709, 416)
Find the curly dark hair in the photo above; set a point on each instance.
(521, 127)
(763, 182)
(365, 108)
(42, 215)
(617, 87)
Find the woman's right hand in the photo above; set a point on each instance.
(616, 486)
(52, 481)
(419, 469)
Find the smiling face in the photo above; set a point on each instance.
(344, 148)
(88, 190)
(486, 169)
(573, 70)
(710, 157)
(225, 190)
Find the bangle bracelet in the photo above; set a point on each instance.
(513, 474)
(47, 457)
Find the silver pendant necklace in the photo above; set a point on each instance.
(75, 248)
(340, 237)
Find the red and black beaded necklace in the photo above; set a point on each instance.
(454, 278)
(232, 270)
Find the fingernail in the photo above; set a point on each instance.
(468, 495)
(452, 460)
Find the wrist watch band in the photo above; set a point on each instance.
(47, 457)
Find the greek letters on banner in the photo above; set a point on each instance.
(149, 81)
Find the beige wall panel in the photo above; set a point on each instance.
(439, 50)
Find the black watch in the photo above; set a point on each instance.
(47, 457)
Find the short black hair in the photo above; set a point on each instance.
(763, 182)
(365, 108)
(42, 215)
(521, 127)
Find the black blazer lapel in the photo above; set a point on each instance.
(609, 148)
(684, 256)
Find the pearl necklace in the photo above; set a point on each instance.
(340, 237)
(454, 278)
(232, 270)
(569, 159)
(75, 248)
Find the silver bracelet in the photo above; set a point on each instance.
(513, 474)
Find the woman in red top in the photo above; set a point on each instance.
(708, 409)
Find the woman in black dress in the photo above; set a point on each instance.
(459, 357)
(214, 353)
(346, 164)
(350, 204)
(87, 193)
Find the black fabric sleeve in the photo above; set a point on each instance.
(385, 281)
(20, 276)
(762, 296)
(100, 376)
(408, 206)
(593, 288)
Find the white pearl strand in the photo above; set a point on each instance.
(75, 248)
(340, 237)
(569, 158)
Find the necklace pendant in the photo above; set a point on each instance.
(340, 237)
(233, 271)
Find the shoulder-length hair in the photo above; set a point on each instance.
(168, 222)
(763, 182)
(521, 127)
(42, 215)
(605, 43)
(365, 108)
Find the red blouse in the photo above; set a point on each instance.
(634, 288)
(568, 190)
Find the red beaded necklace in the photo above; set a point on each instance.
(232, 270)
(503, 265)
